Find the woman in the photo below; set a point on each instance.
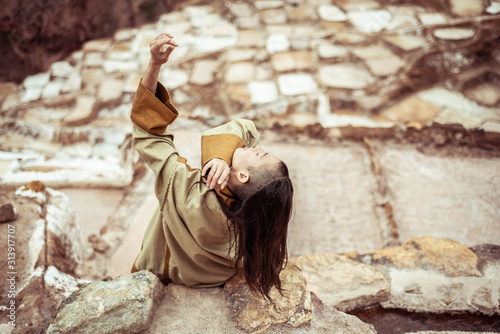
(232, 214)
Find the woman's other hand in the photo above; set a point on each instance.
(219, 173)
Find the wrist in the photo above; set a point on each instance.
(154, 65)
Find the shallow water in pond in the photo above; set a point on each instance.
(399, 322)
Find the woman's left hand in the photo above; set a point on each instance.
(219, 173)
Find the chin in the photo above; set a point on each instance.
(237, 155)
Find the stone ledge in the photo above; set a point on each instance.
(343, 283)
(126, 304)
(444, 255)
(436, 275)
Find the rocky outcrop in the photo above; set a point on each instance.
(336, 283)
(255, 314)
(427, 274)
(39, 298)
(435, 275)
(185, 310)
(444, 255)
(124, 305)
(233, 309)
(47, 249)
(342, 283)
(420, 290)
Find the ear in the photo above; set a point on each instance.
(243, 176)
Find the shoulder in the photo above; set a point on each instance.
(191, 190)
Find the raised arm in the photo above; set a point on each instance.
(152, 112)
(152, 109)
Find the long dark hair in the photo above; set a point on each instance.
(259, 223)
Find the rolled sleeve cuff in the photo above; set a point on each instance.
(153, 112)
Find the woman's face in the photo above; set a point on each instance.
(254, 157)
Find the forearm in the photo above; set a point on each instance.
(159, 153)
(150, 79)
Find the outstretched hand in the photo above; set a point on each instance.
(161, 48)
(219, 173)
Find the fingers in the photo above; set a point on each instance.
(210, 178)
(166, 34)
(167, 39)
(224, 177)
(205, 168)
(161, 48)
(219, 173)
(163, 43)
(215, 178)
(168, 52)
(164, 48)
(212, 166)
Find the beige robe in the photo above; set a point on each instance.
(187, 240)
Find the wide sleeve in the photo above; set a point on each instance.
(151, 114)
(220, 142)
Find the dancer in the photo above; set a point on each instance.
(231, 215)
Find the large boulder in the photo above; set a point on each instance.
(254, 313)
(342, 283)
(445, 255)
(124, 305)
(186, 310)
(436, 275)
(419, 290)
(48, 247)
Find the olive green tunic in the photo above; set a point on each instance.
(187, 240)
